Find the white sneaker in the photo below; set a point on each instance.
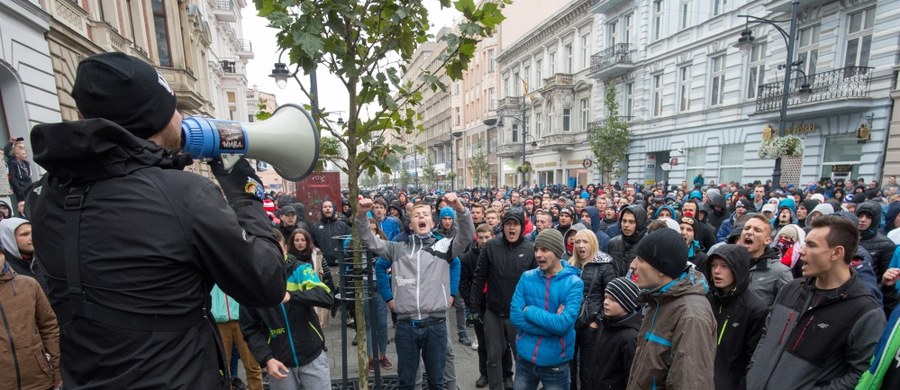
(475, 345)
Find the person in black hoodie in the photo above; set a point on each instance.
(740, 317)
(878, 245)
(718, 209)
(325, 230)
(633, 224)
(616, 338)
(468, 262)
(501, 263)
(289, 221)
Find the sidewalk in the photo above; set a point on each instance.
(465, 358)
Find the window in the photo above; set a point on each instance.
(516, 82)
(458, 116)
(628, 106)
(526, 77)
(685, 16)
(515, 134)
(757, 75)
(538, 117)
(552, 64)
(612, 28)
(538, 70)
(457, 86)
(585, 51)
(569, 65)
(731, 164)
(585, 114)
(490, 60)
(696, 163)
(859, 38)
(162, 32)
(232, 105)
(718, 8)
(717, 81)
(657, 94)
(567, 119)
(550, 122)
(657, 19)
(506, 86)
(626, 29)
(684, 88)
(493, 97)
(808, 49)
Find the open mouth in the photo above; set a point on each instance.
(422, 225)
(747, 241)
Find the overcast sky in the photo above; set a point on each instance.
(265, 51)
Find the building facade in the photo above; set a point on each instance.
(27, 86)
(696, 104)
(545, 88)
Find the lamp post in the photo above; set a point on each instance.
(745, 43)
(452, 174)
(280, 73)
(499, 123)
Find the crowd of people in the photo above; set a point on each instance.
(708, 286)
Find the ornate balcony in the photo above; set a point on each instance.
(245, 49)
(562, 141)
(612, 61)
(107, 37)
(510, 102)
(850, 83)
(224, 11)
(558, 80)
(509, 150)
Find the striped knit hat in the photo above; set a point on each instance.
(624, 291)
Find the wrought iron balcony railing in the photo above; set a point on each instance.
(851, 82)
(619, 53)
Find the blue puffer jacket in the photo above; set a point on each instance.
(544, 337)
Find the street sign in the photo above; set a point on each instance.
(587, 163)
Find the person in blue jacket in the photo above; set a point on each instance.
(544, 308)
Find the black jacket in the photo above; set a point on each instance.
(614, 348)
(621, 248)
(31, 269)
(597, 273)
(287, 230)
(878, 245)
(740, 318)
(468, 262)
(19, 173)
(500, 265)
(294, 342)
(323, 233)
(153, 241)
(718, 211)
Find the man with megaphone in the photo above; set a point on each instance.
(131, 244)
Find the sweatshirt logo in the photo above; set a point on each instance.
(822, 325)
(402, 282)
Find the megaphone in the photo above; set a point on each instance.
(288, 140)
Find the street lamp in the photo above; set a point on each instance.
(745, 43)
(280, 73)
(452, 174)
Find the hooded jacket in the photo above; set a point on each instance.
(19, 173)
(597, 273)
(500, 265)
(878, 245)
(824, 345)
(14, 258)
(153, 241)
(467, 264)
(323, 233)
(439, 231)
(621, 248)
(740, 318)
(893, 211)
(544, 337)
(768, 276)
(29, 330)
(598, 228)
(666, 207)
(676, 345)
(421, 272)
(718, 210)
(289, 332)
(786, 203)
(613, 353)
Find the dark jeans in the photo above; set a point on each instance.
(529, 375)
(428, 339)
(460, 306)
(378, 309)
(500, 335)
(482, 352)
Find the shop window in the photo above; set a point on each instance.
(731, 163)
(696, 163)
(841, 158)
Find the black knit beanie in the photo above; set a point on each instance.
(624, 291)
(665, 250)
(125, 90)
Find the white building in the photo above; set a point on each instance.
(27, 86)
(553, 61)
(701, 105)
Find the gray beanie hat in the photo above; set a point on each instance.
(552, 240)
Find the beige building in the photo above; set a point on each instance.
(197, 45)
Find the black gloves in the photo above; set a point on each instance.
(241, 183)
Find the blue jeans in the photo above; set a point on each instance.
(378, 317)
(529, 375)
(427, 338)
